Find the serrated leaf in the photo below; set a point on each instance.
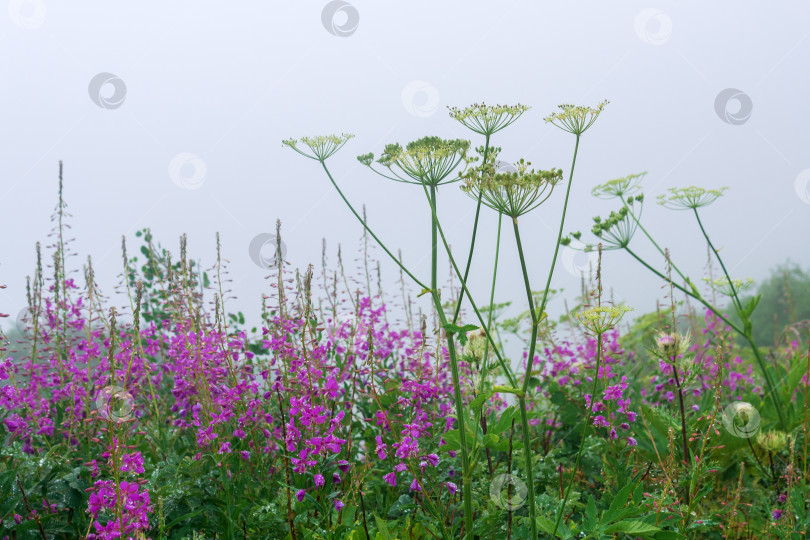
(451, 329)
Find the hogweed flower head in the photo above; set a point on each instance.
(574, 118)
(671, 346)
(600, 319)
(773, 441)
(722, 285)
(428, 161)
(618, 228)
(321, 146)
(487, 119)
(512, 193)
(689, 198)
(619, 187)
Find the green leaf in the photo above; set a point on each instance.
(424, 292)
(382, 529)
(505, 421)
(590, 513)
(631, 527)
(478, 403)
(547, 526)
(619, 501)
(491, 440)
(451, 329)
(452, 439)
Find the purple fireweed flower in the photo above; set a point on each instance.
(319, 480)
(339, 504)
(300, 495)
(391, 478)
(132, 463)
(381, 447)
(451, 487)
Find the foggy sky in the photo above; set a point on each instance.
(184, 132)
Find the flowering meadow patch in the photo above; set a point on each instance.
(346, 414)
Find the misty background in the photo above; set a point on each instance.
(171, 116)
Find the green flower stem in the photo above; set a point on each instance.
(717, 256)
(507, 370)
(362, 221)
(584, 431)
(466, 493)
(760, 361)
(524, 415)
(686, 291)
(554, 258)
(433, 248)
(491, 297)
(472, 241)
(650, 238)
